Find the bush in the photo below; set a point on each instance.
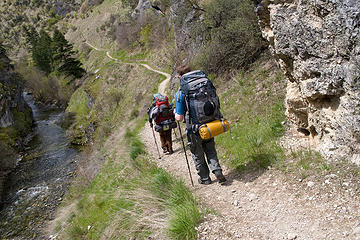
(45, 88)
(232, 36)
(149, 32)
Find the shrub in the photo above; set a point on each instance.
(45, 88)
(127, 33)
(149, 31)
(232, 36)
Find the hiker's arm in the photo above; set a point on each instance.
(179, 117)
(150, 118)
(179, 106)
(154, 113)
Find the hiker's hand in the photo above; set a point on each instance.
(151, 124)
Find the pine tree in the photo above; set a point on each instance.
(72, 66)
(31, 36)
(61, 48)
(54, 53)
(42, 53)
(63, 56)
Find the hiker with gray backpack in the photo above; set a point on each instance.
(161, 113)
(196, 102)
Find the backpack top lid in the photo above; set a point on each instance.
(190, 79)
(157, 96)
(159, 100)
(191, 75)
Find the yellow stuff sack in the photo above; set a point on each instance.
(214, 128)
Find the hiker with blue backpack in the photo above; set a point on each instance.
(161, 113)
(196, 102)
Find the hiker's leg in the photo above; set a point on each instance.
(198, 156)
(169, 141)
(163, 141)
(211, 154)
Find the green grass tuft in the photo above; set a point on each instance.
(183, 221)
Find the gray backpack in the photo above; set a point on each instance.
(201, 99)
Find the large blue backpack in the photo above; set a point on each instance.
(201, 99)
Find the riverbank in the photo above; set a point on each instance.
(37, 184)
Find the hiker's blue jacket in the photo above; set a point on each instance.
(180, 103)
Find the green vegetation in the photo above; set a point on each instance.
(45, 88)
(10, 136)
(254, 106)
(19, 13)
(305, 163)
(232, 36)
(53, 54)
(126, 197)
(20, 115)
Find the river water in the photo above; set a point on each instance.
(36, 186)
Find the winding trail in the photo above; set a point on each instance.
(163, 84)
(262, 204)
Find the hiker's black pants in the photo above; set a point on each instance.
(166, 140)
(199, 148)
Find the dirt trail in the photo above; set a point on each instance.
(163, 84)
(263, 204)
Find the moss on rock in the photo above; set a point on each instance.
(79, 107)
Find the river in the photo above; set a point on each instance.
(37, 184)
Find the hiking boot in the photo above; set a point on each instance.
(170, 150)
(205, 182)
(219, 176)
(165, 150)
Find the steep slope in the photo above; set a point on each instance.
(41, 14)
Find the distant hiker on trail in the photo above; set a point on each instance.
(162, 114)
(198, 102)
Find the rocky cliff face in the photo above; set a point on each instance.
(15, 116)
(10, 95)
(317, 44)
(185, 16)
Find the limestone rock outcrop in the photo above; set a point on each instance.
(317, 45)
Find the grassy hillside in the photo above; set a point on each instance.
(41, 14)
(253, 103)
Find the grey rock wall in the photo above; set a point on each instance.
(10, 93)
(317, 45)
(184, 18)
(11, 101)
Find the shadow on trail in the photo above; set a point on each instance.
(251, 170)
(258, 164)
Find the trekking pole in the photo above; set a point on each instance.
(156, 142)
(175, 133)
(187, 162)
